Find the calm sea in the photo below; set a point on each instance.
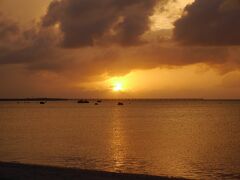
(191, 139)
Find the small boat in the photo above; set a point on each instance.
(120, 104)
(96, 104)
(42, 102)
(83, 101)
(99, 101)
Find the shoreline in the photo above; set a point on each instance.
(18, 171)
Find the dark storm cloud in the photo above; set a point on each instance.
(24, 46)
(7, 27)
(210, 22)
(31, 52)
(84, 22)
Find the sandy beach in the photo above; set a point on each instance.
(12, 171)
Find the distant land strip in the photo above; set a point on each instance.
(34, 99)
(125, 99)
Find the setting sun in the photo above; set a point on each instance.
(118, 84)
(118, 87)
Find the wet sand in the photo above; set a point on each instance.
(16, 171)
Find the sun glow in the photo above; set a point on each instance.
(118, 84)
(117, 87)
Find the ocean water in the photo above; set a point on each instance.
(191, 139)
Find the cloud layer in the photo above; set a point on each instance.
(80, 40)
(84, 22)
(210, 23)
(7, 29)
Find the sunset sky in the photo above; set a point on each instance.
(120, 48)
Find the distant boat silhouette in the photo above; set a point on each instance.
(83, 101)
(96, 104)
(42, 102)
(120, 104)
(99, 101)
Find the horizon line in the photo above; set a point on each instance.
(78, 98)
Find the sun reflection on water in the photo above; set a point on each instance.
(118, 141)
